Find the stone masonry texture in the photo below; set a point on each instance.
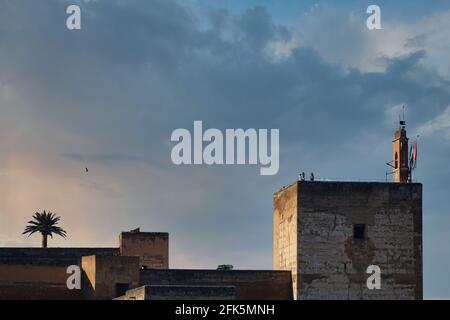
(314, 238)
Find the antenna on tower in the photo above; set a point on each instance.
(401, 117)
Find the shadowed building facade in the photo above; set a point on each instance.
(41, 273)
(137, 270)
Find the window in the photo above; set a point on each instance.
(121, 289)
(359, 231)
(396, 161)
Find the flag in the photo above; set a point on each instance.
(413, 162)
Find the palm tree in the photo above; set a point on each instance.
(46, 224)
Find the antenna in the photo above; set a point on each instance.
(402, 118)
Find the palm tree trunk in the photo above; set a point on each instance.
(44, 241)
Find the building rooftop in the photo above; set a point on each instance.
(50, 256)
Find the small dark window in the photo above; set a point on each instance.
(121, 289)
(359, 231)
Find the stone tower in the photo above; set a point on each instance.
(328, 233)
(400, 166)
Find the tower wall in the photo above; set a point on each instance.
(285, 232)
(330, 263)
(152, 248)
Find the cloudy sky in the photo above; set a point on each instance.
(107, 97)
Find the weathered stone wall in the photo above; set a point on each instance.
(180, 293)
(35, 282)
(285, 232)
(249, 284)
(38, 292)
(151, 247)
(103, 274)
(331, 264)
(50, 256)
(41, 273)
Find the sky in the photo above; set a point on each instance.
(108, 97)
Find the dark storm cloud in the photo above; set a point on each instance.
(152, 63)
